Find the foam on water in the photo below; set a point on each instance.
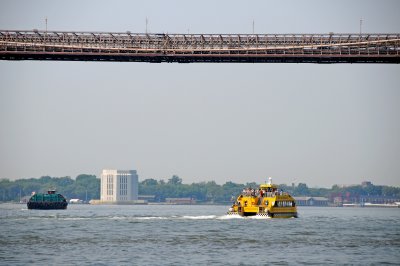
(230, 216)
(256, 217)
(152, 218)
(128, 217)
(200, 217)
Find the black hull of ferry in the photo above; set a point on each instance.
(47, 205)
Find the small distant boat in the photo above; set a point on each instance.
(267, 201)
(47, 201)
(76, 201)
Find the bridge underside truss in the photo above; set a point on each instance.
(211, 48)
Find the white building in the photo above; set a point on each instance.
(119, 185)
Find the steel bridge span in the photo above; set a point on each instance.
(190, 48)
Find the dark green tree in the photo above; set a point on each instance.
(175, 180)
(301, 190)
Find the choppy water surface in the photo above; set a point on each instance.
(199, 235)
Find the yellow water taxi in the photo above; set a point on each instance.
(267, 201)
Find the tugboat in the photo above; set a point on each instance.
(267, 201)
(47, 201)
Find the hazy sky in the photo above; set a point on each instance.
(318, 124)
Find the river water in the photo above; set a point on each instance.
(197, 235)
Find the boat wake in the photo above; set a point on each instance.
(146, 218)
(200, 217)
(230, 216)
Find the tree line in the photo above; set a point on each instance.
(87, 187)
(82, 187)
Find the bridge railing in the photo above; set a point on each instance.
(206, 45)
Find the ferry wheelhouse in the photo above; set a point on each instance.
(267, 201)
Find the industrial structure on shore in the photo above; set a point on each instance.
(118, 187)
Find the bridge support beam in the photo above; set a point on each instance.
(200, 48)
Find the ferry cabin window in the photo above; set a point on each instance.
(284, 204)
